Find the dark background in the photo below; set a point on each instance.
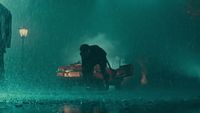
(163, 34)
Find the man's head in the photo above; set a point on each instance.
(84, 47)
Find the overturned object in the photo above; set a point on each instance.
(116, 76)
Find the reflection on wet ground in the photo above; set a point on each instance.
(102, 102)
(84, 106)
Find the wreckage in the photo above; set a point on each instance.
(116, 76)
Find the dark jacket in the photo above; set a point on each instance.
(93, 54)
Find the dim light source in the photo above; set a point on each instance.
(23, 32)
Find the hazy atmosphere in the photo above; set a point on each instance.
(163, 34)
(153, 47)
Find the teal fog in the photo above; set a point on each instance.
(161, 33)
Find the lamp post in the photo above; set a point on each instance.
(23, 32)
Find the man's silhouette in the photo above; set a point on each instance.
(5, 34)
(92, 55)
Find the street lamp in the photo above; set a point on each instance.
(23, 32)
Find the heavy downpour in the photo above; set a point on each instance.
(99, 56)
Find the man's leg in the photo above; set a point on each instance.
(91, 78)
(104, 73)
(87, 73)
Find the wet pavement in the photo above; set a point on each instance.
(111, 101)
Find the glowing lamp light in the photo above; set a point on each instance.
(23, 32)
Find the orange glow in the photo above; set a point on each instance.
(74, 74)
(143, 80)
(70, 109)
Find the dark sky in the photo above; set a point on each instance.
(160, 31)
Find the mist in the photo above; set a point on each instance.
(162, 32)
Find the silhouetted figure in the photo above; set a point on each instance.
(92, 55)
(5, 34)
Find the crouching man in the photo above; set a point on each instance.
(91, 55)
